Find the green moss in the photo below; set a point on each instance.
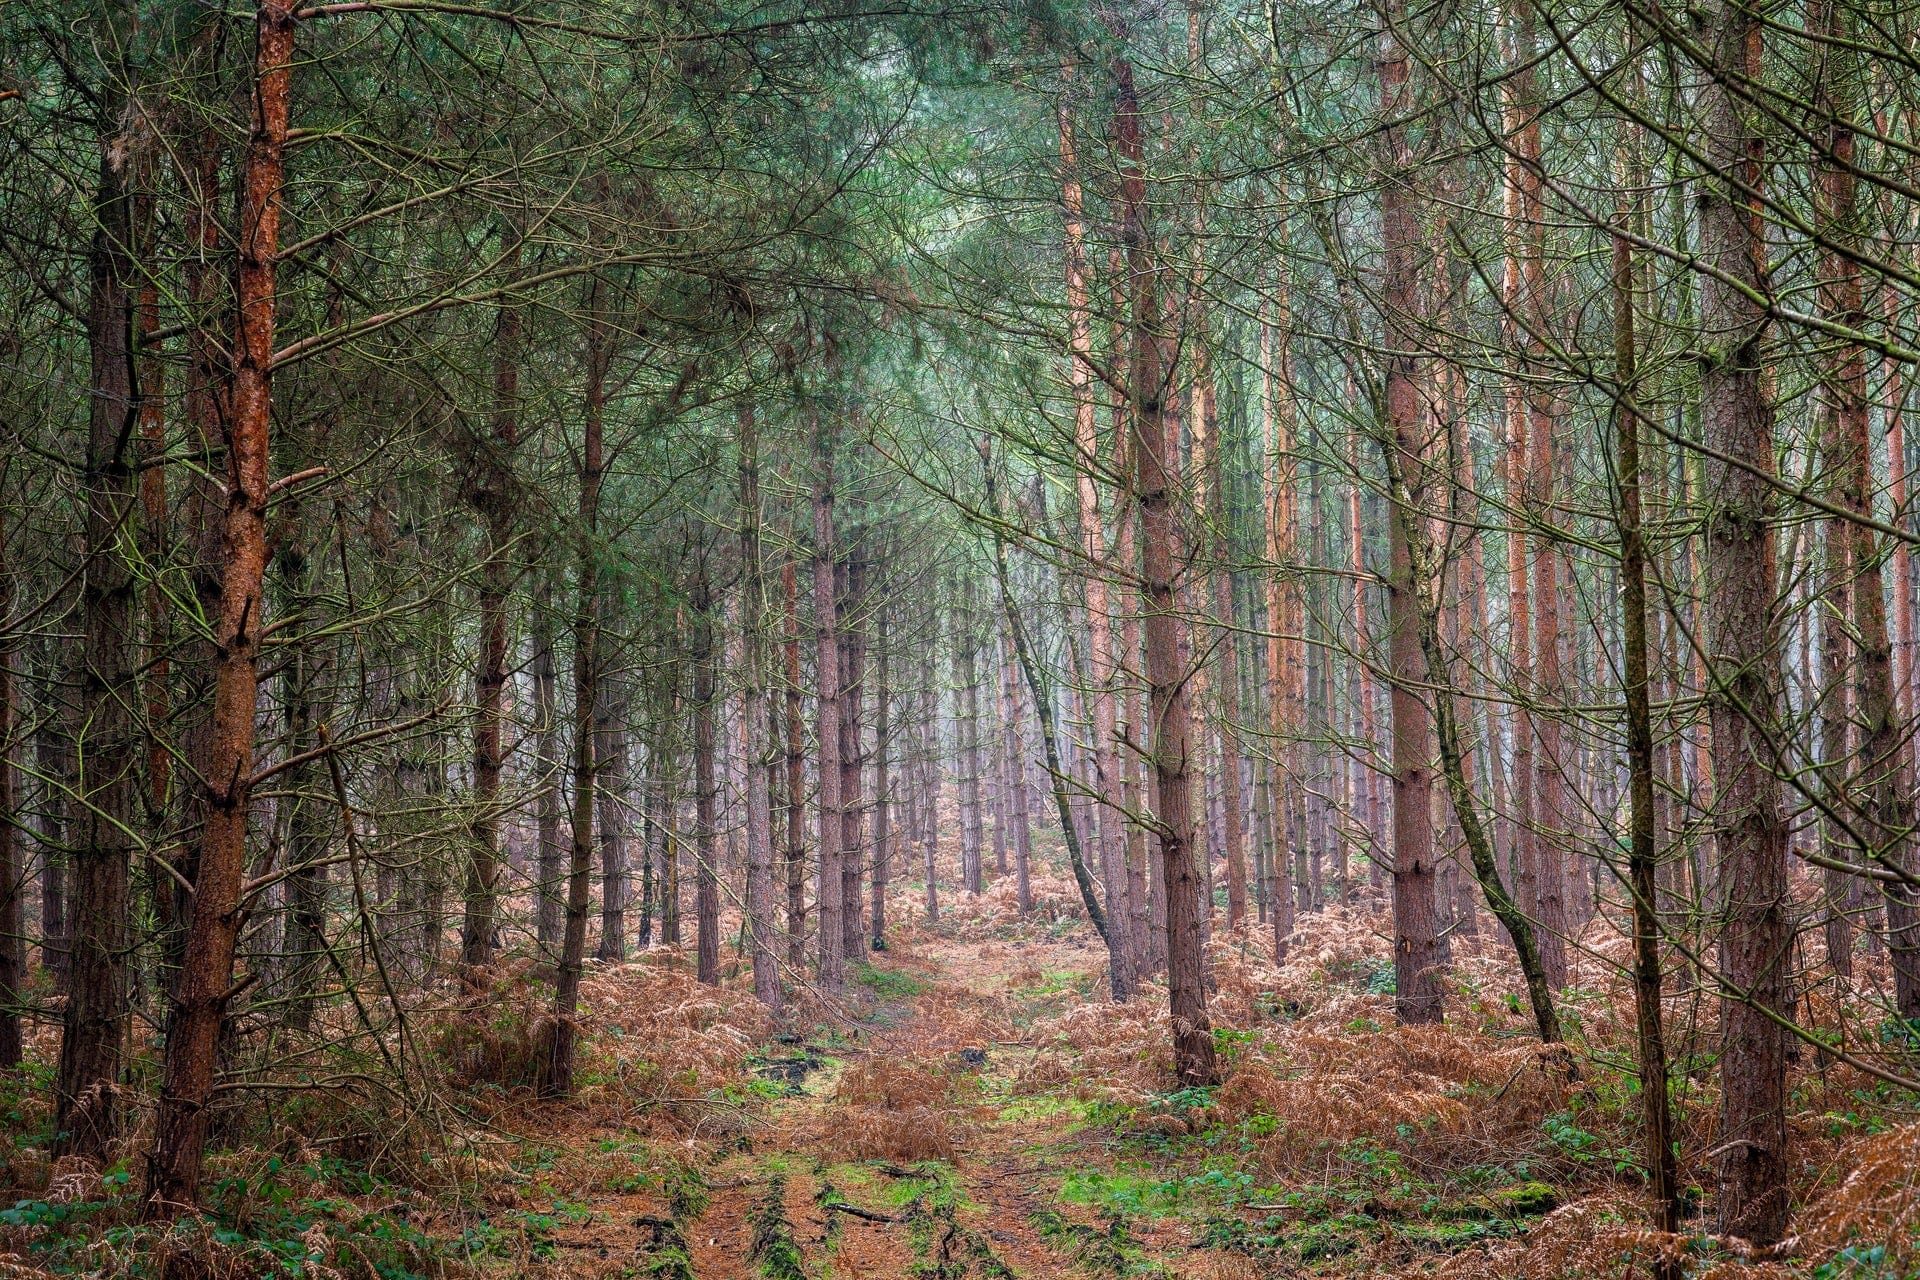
(1528, 1199)
(887, 984)
(775, 1253)
(1109, 1251)
(1451, 1237)
(1331, 1238)
(1522, 1200)
(686, 1191)
(1123, 1193)
(670, 1264)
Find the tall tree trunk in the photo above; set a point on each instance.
(966, 683)
(796, 791)
(1886, 810)
(1416, 947)
(1552, 817)
(930, 771)
(549, 900)
(557, 1064)
(156, 657)
(1522, 839)
(1742, 634)
(12, 874)
(309, 827)
(611, 762)
(1170, 745)
(706, 788)
(1013, 782)
(882, 792)
(1643, 848)
(853, 658)
(205, 987)
(757, 723)
(94, 1034)
(494, 499)
(826, 624)
(1832, 605)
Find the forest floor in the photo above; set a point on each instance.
(975, 1106)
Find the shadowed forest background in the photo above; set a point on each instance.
(1029, 639)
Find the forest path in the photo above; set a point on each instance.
(903, 1145)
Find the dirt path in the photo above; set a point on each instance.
(803, 1195)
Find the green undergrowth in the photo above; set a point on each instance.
(888, 983)
(945, 1248)
(1108, 1250)
(775, 1253)
(1375, 1198)
(285, 1221)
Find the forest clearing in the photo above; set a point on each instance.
(822, 638)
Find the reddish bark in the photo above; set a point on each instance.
(206, 987)
(1416, 951)
(1112, 830)
(1742, 635)
(1284, 614)
(1886, 811)
(1170, 744)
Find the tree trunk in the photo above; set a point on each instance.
(706, 788)
(1742, 635)
(966, 682)
(1416, 949)
(1643, 848)
(1522, 841)
(93, 1039)
(796, 762)
(12, 941)
(309, 827)
(757, 723)
(853, 658)
(494, 500)
(549, 901)
(556, 1068)
(882, 787)
(1170, 746)
(611, 762)
(930, 773)
(1013, 776)
(1552, 818)
(826, 622)
(1885, 809)
(205, 987)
